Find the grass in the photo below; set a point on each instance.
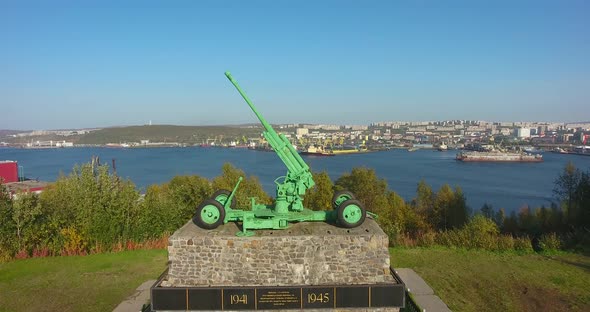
(486, 281)
(78, 283)
(465, 280)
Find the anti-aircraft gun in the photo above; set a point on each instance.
(220, 207)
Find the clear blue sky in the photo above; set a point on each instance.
(65, 65)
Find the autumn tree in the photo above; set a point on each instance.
(186, 193)
(444, 200)
(319, 197)
(487, 211)
(367, 187)
(499, 217)
(424, 201)
(459, 212)
(565, 187)
(249, 187)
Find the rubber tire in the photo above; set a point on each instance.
(205, 225)
(340, 214)
(225, 192)
(339, 194)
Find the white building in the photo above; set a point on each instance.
(523, 132)
(301, 132)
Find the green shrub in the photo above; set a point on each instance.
(550, 242)
(426, 239)
(393, 230)
(481, 233)
(505, 243)
(249, 187)
(523, 244)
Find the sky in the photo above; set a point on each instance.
(84, 64)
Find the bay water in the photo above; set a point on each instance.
(503, 185)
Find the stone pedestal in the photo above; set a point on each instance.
(298, 266)
(311, 253)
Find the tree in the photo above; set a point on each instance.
(500, 217)
(582, 196)
(556, 218)
(156, 214)
(367, 188)
(24, 214)
(319, 197)
(459, 213)
(424, 201)
(186, 193)
(403, 218)
(543, 216)
(250, 186)
(527, 222)
(443, 207)
(565, 187)
(511, 224)
(487, 211)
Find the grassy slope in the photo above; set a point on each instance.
(465, 280)
(91, 283)
(484, 281)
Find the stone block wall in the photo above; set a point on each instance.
(309, 253)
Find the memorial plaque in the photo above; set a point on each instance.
(384, 296)
(204, 299)
(278, 298)
(318, 298)
(239, 299)
(301, 297)
(169, 299)
(352, 297)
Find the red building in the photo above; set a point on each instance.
(9, 177)
(8, 171)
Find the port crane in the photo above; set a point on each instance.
(290, 190)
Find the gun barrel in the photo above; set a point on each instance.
(279, 143)
(262, 120)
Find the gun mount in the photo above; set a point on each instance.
(288, 207)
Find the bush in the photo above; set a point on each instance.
(550, 242)
(92, 210)
(366, 187)
(426, 239)
(505, 243)
(393, 230)
(480, 232)
(249, 187)
(523, 244)
(320, 196)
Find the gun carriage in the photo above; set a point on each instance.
(220, 208)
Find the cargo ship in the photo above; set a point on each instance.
(498, 157)
(317, 150)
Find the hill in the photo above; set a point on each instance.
(154, 133)
(167, 133)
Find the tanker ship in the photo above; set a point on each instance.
(498, 157)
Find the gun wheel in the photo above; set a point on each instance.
(340, 197)
(210, 214)
(351, 213)
(221, 197)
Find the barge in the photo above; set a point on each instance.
(498, 157)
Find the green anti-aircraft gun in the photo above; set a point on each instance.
(288, 207)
